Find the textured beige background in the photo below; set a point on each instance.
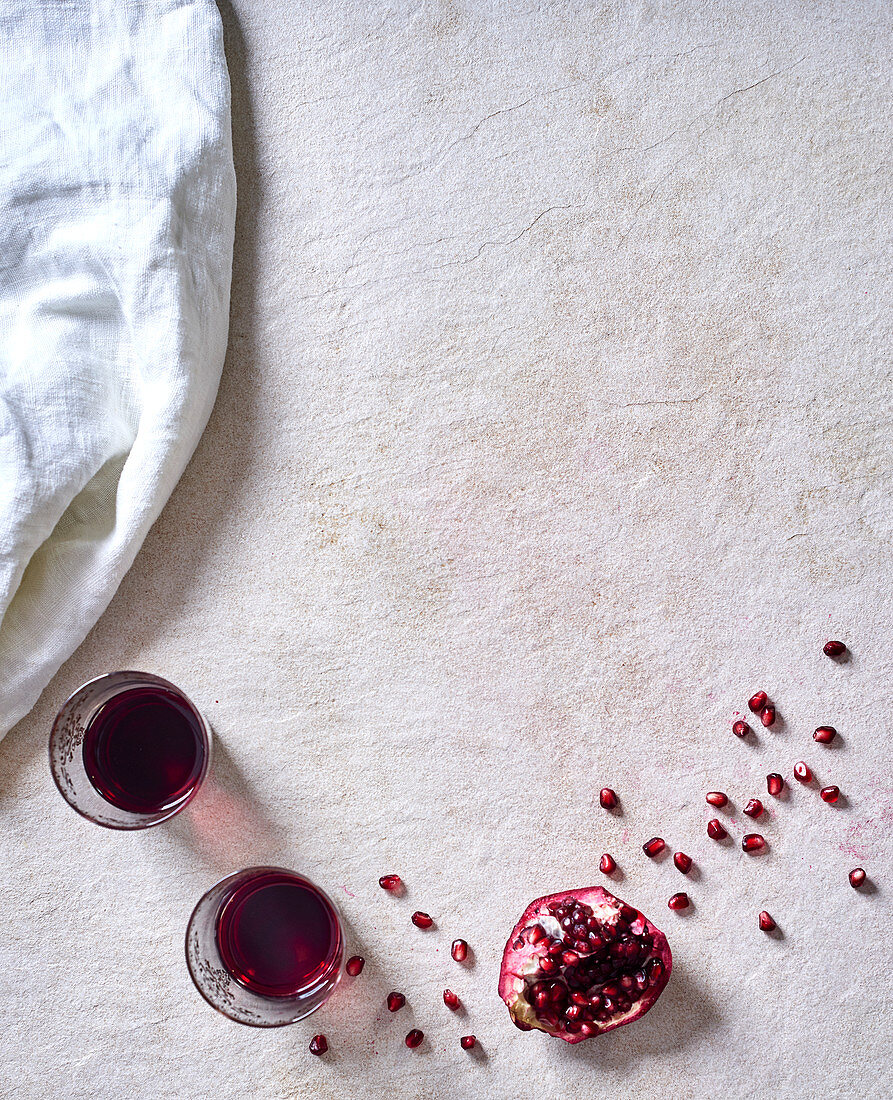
(554, 423)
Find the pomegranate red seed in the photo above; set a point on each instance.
(607, 798)
(319, 1044)
(654, 846)
(766, 922)
(767, 715)
(450, 999)
(467, 1042)
(414, 1038)
(740, 729)
(606, 865)
(774, 783)
(758, 701)
(753, 842)
(824, 735)
(390, 882)
(679, 901)
(459, 950)
(753, 808)
(421, 920)
(683, 862)
(833, 649)
(715, 830)
(857, 877)
(802, 772)
(395, 1002)
(830, 794)
(354, 965)
(717, 798)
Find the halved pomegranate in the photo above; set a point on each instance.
(580, 963)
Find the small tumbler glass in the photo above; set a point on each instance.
(129, 750)
(264, 946)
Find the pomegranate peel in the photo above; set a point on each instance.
(582, 962)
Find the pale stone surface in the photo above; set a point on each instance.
(553, 425)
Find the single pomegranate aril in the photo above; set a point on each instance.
(605, 965)
(758, 701)
(606, 864)
(459, 950)
(717, 798)
(414, 1038)
(354, 965)
(802, 772)
(753, 842)
(857, 877)
(774, 783)
(766, 922)
(679, 901)
(715, 830)
(683, 862)
(830, 794)
(390, 882)
(767, 715)
(753, 808)
(607, 798)
(451, 1000)
(833, 649)
(654, 846)
(319, 1044)
(467, 1042)
(740, 729)
(395, 1002)
(824, 735)
(421, 920)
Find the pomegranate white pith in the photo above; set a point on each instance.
(582, 962)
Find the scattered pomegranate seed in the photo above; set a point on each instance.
(857, 877)
(414, 1038)
(679, 901)
(830, 794)
(390, 882)
(717, 798)
(753, 808)
(319, 1044)
(607, 865)
(774, 783)
(767, 715)
(451, 1000)
(740, 729)
(654, 846)
(758, 701)
(395, 1002)
(824, 735)
(753, 842)
(607, 798)
(715, 830)
(766, 922)
(802, 772)
(459, 950)
(421, 920)
(833, 649)
(467, 1042)
(683, 862)
(354, 965)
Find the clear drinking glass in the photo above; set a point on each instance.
(264, 946)
(129, 750)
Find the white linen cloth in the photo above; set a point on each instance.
(117, 213)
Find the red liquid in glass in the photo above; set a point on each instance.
(144, 750)
(277, 934)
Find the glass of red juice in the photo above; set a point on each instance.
(129, 750)
(264, 946)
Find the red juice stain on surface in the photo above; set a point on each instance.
(144, 750)
(277, 934)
